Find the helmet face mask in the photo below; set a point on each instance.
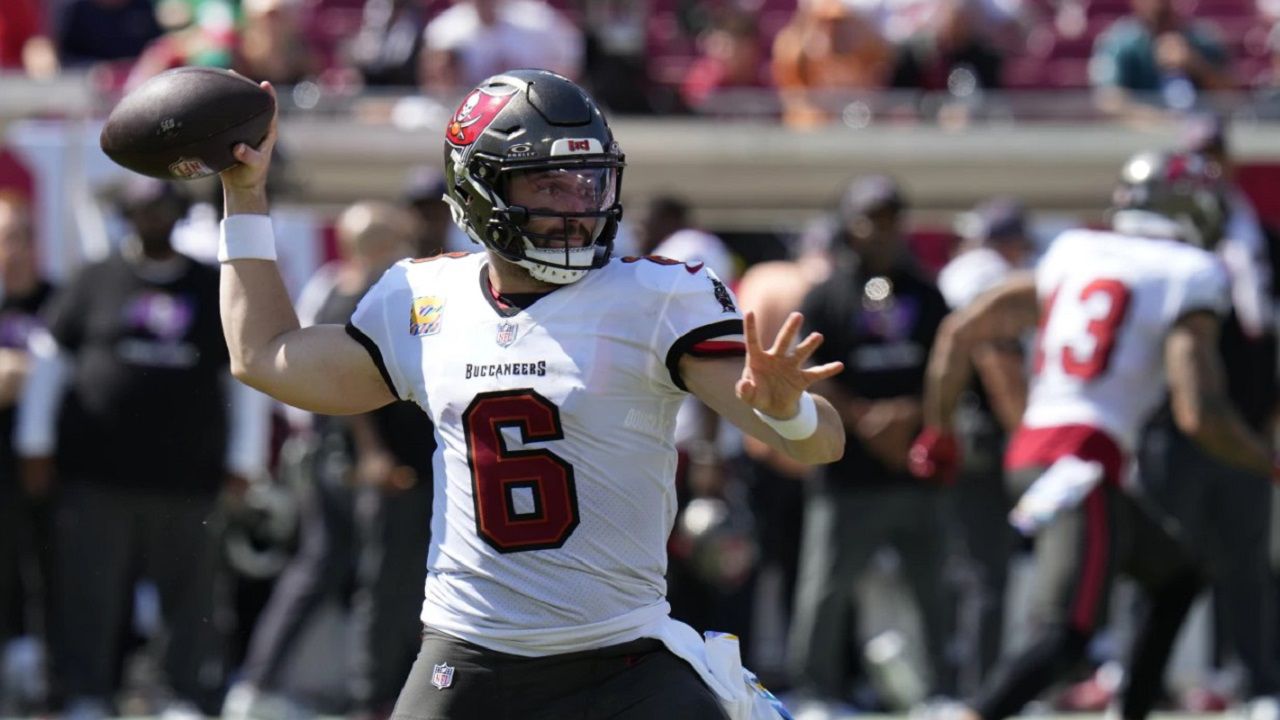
(1184, 188)
(534, 175)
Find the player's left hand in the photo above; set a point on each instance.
(773, 379)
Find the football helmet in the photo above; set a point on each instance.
(535, 137)
(1184, 188)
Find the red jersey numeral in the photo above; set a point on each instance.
(1102, 328)
(500, 477)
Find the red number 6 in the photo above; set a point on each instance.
(498, 473)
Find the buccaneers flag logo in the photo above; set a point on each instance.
(475, 114)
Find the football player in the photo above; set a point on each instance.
(1124, 316)
(553, 373)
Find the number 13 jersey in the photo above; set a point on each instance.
(1108, 301)
(555, 457)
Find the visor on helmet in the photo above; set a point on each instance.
(560, 212)
(553, 207)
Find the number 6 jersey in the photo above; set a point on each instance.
(1109, 300)
(555, 457)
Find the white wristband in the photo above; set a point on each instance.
(246, 237)
(803, 425)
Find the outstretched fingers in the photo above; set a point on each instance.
(787, 334)
(822, 372)
(751, 333)
(807, 347)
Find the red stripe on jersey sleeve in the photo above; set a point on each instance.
(719, 347)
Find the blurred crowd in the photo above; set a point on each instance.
(806, 61)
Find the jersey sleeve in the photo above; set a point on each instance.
(381, 324)
(699, 317)
(1205, 286)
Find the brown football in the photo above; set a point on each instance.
(182, 124)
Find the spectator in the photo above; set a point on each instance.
(617, 61)
(952, 55)
(1156, 59)
(344, 455)
(899, 20)
(730, 57)
(272, 45)
(827, 47)
(25, 563)
(475, 39)
(879, 316)
(142, 449)
(202, 33)
(24, 45)
(97, 30)
(386, 51)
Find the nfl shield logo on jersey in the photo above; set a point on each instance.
(507, 333)
(442, 676)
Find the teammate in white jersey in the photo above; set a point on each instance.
(553, 373)
(1125, 316)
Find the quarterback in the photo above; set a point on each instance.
(553, 373)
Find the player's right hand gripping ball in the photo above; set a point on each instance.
(183, 124)
(935, 456)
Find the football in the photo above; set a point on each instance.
(182, 124)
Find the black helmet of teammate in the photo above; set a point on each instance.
(1184, 188)
(534, 122)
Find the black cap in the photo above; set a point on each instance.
(1205, 132)
(870, 194)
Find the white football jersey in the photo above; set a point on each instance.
(555, 456)
(1108, 301)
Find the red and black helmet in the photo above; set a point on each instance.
(1185, 188)
(532, 121)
